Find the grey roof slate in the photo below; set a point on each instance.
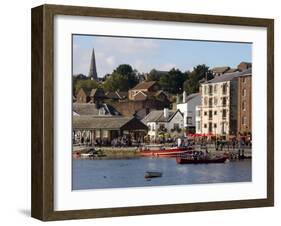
(158, 116)
(106, 122)
(91, 109)
(191, 96)
(220, 69)
(99, 122)
(228, 76)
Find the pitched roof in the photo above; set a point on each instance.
(144, 85)
(246, 63)
(158, 116)
(160, 92)
(122, 94)
(107, 122)
(191, 96)
(91, 109)
(87, 92)
(220, 69)
(228, 76)
(231, 70)
(117, 95)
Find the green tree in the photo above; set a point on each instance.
(154, 75)
(128, 73)
(86, 85)
(173, 81)
(122, 78)
(199, 73)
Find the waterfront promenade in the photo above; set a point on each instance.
(130, 152)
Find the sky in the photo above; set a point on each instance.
(146, 54)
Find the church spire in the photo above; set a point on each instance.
(93, 69)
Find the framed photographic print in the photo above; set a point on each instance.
(141, 112)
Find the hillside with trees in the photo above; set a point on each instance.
(124, 77)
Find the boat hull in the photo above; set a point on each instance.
(165, 153)
(182, 160)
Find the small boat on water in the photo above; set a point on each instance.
(198, 157)
(150, 174)
(89, 153)
(160, 151)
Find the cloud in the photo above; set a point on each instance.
(110, 60)
(142, 54)
(125, 45)
(167, 66)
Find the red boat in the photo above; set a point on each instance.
(200, 159)
(164, 152)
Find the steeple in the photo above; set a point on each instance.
(93, 69)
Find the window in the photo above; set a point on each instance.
(205, 113)
(210, 90)
(224, 88)
(244, 120)
(176, 126)
(215, 88)
(223, 113)
(223, 128)
(215, 112)
(210, 115)
(215, 100)
(205, 100)
(161, 126)
(189, 120)
(224, 101)
(210, 127)
(244, 93)
(210, 102)
(215, 125)
(244, 105)
(205, 125)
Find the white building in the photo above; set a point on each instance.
(188, 108)
(163, 122)
(219, 105)
(198, 120)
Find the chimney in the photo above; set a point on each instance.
(178, 99)
(184, 97)
(166, 113)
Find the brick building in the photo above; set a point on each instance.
(244, 117)
(143, 90)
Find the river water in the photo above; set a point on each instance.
(120, 173)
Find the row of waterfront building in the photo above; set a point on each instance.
(221, 108)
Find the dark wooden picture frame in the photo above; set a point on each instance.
(43, 110)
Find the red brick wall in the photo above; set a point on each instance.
(244, 83)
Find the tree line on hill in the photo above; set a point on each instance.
(124, 77)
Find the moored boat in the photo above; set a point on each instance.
(164, 152)
(184, 160)
(198, 157)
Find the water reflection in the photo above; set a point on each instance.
(120, 173)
